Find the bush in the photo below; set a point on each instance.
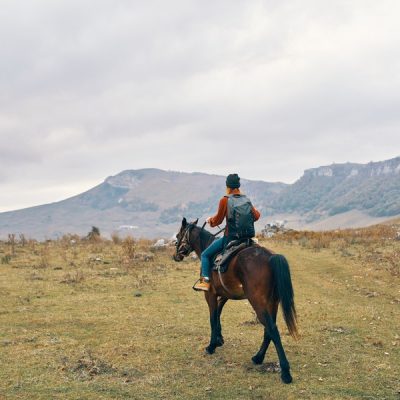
(128, 250)
(116, 238)
(94, 234)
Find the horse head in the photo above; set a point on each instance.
(183, 246)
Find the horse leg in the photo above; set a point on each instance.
(271, 333)
(276, 338)
(213, 308)
(259, 357)
(221, 303)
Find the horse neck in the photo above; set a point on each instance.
(199, 245)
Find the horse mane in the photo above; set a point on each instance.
(205, 236)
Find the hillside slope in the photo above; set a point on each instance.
(373, 189)
(151, 202)
(146, 202)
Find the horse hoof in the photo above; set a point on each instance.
(257, 360)
(220, 342)
(286, 377)
(210, 349)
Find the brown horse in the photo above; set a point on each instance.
(256, 274)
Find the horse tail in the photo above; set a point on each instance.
(283, 291)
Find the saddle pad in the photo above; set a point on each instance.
(222, 260)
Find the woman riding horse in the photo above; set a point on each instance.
(232, 189)
(256, 274)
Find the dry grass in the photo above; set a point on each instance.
(377, 246)
(94, 320)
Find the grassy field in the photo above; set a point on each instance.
(113, 320)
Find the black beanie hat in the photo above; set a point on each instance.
(233, 181)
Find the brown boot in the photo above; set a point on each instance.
(202, 284)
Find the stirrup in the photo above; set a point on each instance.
(193, 287)
(200, 290)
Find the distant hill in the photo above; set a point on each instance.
(323, 192)
(151, 202)
(146, 202)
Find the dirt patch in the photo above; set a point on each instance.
(268, 367)
(88, 366)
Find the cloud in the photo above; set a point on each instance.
(263, 88)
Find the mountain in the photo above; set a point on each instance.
(146, 202)
(372, 188)
(151, 202)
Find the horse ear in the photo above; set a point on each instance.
(195, 222)
(184, 222)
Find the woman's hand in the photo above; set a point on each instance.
(208, 220)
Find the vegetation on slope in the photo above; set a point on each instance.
(372, 188)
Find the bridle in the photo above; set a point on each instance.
(183, 246)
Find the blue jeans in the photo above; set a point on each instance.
(207, 255)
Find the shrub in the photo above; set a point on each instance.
(6, 259)
(94, 234)
(128, 249)
(116, 238)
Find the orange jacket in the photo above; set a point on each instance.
(223, 212)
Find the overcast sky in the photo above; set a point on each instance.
(263, 88)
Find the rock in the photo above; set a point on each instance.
(96, 259)
(273, 228)
(144, 257)
(159, 245)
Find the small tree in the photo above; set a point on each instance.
(11, 243)
(94, 234)
(128, 251)
(22, 239)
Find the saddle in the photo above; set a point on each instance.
(221, 260)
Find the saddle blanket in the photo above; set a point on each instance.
(222, 260)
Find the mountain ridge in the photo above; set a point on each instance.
(154, 200)
(373, 188)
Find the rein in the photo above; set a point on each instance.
(213, 234)
(220, 230)
(184, 247)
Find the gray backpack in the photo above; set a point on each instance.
(240, 217)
